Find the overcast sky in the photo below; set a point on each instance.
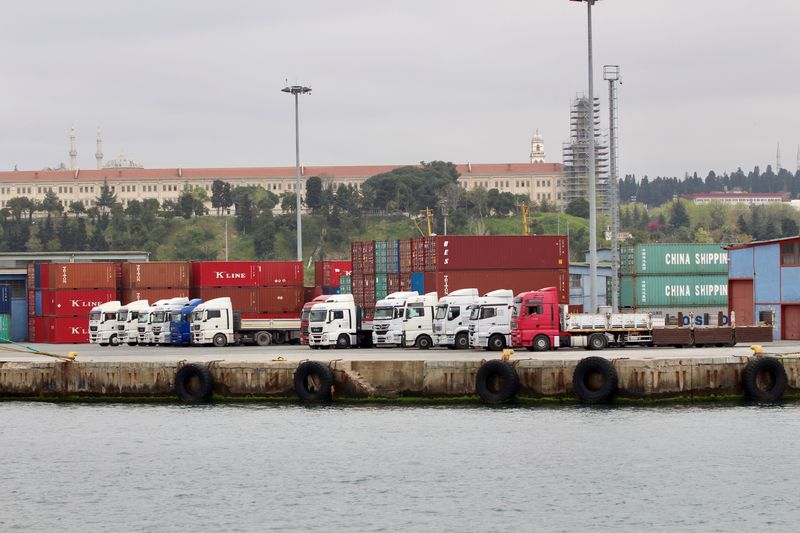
(707, 85)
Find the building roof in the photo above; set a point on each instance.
(762, 243)
(363, 171)
(732, 195)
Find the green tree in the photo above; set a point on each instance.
(106, 199)
(578, 208)
(264, 235)
(288, 202)
(678, 217)
(51, 203)
(185, 205)
(313, 193)
(77, 208)
(195, 244)
(47, 233)
(65, 234)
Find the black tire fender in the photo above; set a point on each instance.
(313, 381)
(584, 379)
(751, 379)
(497, 381)
(184, 377)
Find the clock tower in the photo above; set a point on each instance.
(537, 148)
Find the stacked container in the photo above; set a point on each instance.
(328, 275)
(444, 264)
(5, 313)
(61, 296)
(671, 279)
(154, 281)
(270, 289)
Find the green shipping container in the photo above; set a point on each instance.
(673, 291)
(381, 287)
(5, 328)
(662, 258)
(345, 285)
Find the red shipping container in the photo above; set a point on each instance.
(80, 275)
(280, 300)
(309, 293)
(280, 273)
(512, 252)
(37, 331)
(67, 330)
(152, 295)
(155, 275)
(485, 281)
(31, 276)
(31, 303)
(405, 256)
(243, 299)
(74, 302)
(224, 274)
(327, 273)
(418, 254)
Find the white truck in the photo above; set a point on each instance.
(103, 324)
(215, 322)
(387, 323)
(416, 326)
(156, 328)
(128, 321)
(451, 323)
(490, 320)
(143, 328)
(337, 322)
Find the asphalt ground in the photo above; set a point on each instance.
(96, 353)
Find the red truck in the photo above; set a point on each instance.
(304, 316)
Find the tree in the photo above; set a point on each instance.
(313, 193)
(195, 244)
(264, 235)
(578, 208)
(678, 217)
(185, 205)
(288, 202)
(65, 234)
(51, 203)
(76, 208)
(106, 199)
(47, 232)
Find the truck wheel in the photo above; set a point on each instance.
(462, 341)
(262, 338)
(597, 341)
(313, 381)
(541, 343)
(343, 341)
(103, 343)
(220, 340)
(496, 342)
(424, 342)
(113, 340)
(595, 380)
(497, 381)
(131, 344)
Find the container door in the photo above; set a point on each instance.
(740, 296)
(19, 319)
(790, 330)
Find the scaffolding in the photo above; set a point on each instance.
(576, 156)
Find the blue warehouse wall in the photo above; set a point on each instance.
(740, 263)
(768, 273)
(776, 330)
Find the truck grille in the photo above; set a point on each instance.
(316, 330)
(92, 328)
(141, 330)
(381, 327)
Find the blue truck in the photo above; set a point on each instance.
(180, 328)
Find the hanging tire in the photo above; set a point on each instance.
(194, 383)
(595, 380)
(497, 381)
(597, 341)
(313, 381)
(462, 341)
(262, 338)
(541, 343)
(219, 340)
(424, 342)
(343, 341)
(764, 379)
(496, 342)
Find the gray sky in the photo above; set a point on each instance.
(709, 84)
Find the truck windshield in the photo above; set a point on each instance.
(304, 315)
(197, 316)
(441, 312)
(95, 315)
(144, 317)
(159, 316)
(122, 316)
(176, 317)
(384, 313)
(475, 314)
(317, 315)
(517, 307)
(109, 316)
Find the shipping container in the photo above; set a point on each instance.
(328, 273)
(418, 282)
(127, 296)
(404, 282)
(381, 248)
(5, 327)
(493, 252)
(381, 287)
(667, 258)
(418, 254)
(393, 257)
(80, 275)
(66, 330)
(345, 285)
(640, 292)
(703, 316)
(287, 300)
(72, 302)
(444, 283)
(224, 274)
(243, 299)
(309, 293)
(404, 256)
(280, 274)
(5, 299)
(155, 275)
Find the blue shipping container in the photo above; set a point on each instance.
(5, 299)
(418, 282)
(37, 305)
(37, 276)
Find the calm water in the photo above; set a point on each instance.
(66, 467)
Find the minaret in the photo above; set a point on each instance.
(537, 148)
(778, 159)
(99, 154)
(797, 168)
(73, 150)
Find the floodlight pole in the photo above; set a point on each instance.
(297, 90)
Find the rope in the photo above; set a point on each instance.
(28, 350)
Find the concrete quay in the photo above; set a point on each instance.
(240, 372)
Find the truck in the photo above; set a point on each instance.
(143, 328)
(451, 323)
(540, 323)
(416, 326)
(159, 327)
(490, 320)
(103, 324)
(338, 322)
(387, 322)
(128, 321)
(304, 316)
(180, 333)
(215, 322)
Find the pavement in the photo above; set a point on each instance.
(96, 353)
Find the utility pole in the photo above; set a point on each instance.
(297, 90)
(611, 74)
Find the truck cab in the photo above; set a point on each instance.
(536, 320)
(451, 323)
(417, 323)
(387, 323)
(161, 320)
(337, 322)
(128, 321)
(103, 324)
(144, 327)
(490, 320)
(304, 316)
(180, 333)
(212, 323)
